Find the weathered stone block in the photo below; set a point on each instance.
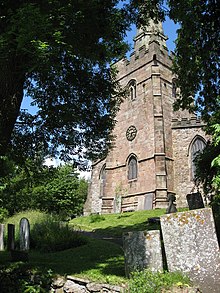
(71, 287)
(191, 247)
(142, 250)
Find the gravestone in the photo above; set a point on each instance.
(148, 202)
(24, 234)
(117, 204)
(171, 205)
(11, 237)
(195, 201)
(191, 247)
(142, 250)
(2, 227)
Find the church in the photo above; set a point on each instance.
(154, 148)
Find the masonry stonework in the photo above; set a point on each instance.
(161, 145)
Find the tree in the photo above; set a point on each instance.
(32, 185)
(59, 52)
(64, 194)
(197, 56)
(196, 64)
(61, 56)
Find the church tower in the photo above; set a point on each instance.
(139, 171)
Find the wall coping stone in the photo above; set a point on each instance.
(74, 284)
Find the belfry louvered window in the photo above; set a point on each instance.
(197, 146)
(132, 89)
(132, 168)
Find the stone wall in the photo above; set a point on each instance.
(183, 133)
(78, 285)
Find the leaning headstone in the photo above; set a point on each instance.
(2, 227)
(191, 247)
(142, 250)
(195, 201)
(11, 237)
(171, 204)
(24, 234)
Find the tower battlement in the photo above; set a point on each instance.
(193, 121)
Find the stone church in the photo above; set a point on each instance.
(154, 147)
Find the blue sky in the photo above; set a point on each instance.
(169, 30)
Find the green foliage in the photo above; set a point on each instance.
(64, 194)
(150, 282)
(208, 173)
(208, 163)
(3, 214)
(18, 278)
(33, 185)
(52, 235)
(61, 57)
(207, 170)
(197, 56)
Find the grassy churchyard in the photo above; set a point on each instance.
(64, 250)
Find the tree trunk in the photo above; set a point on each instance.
(11, 95)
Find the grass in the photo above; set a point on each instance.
(116, 224)
(147, 281)
(97, 260)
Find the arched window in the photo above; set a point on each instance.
(132, 89)
(132, 168)
(197, 145)
(102, 177)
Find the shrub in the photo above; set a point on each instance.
(149, 282)
(50, 235)
(54, 190)
(3, 214)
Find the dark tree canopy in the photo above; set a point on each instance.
(198, 55)
(197, 67)
(59, 53)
